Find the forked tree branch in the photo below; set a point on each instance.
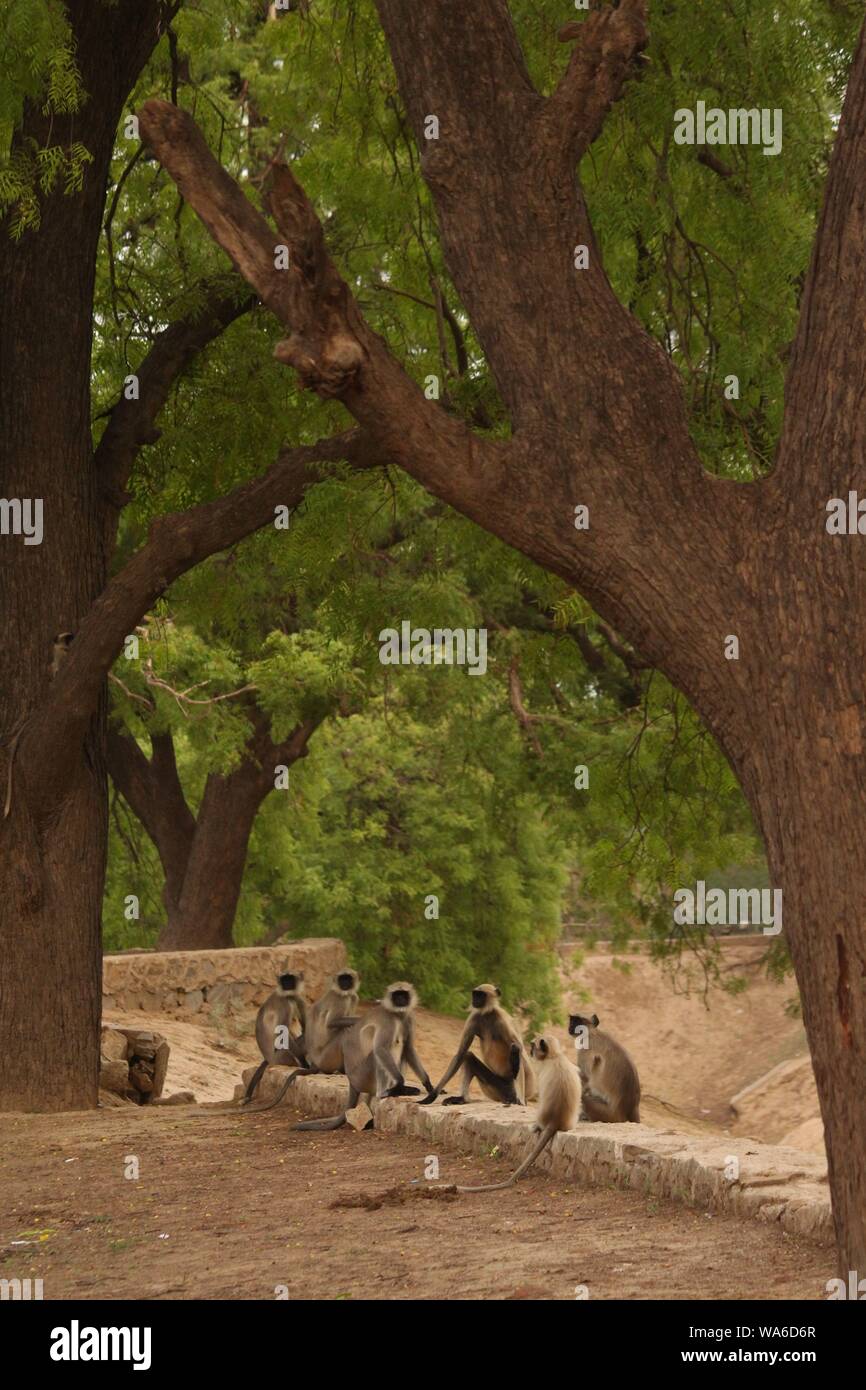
(597, 409)
(330, 345)
(607, 44)
(175, 544)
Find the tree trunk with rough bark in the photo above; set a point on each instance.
(53, 842)
(204, 914)
(203, 856)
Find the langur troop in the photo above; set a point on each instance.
(374, 1048)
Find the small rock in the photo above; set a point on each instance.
(141, 1043)
(114, 1076)
(360, 1117)
(179, 1098)
(113, 1045)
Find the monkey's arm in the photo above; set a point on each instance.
(410, 1057)
(457, 1061)
(302, 1016)
(385, 1061)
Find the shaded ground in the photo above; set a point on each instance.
(231, 1207)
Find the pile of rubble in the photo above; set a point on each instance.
(133, 1064)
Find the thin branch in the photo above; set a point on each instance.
(112, 209)
(184, 697)
(130, 694)
(711, 161)
(526, 720)
(629, 659)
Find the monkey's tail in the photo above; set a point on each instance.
(545, 1139)
(245, 1109)
(334, 1122)
(257, 1076)
(301, 1071)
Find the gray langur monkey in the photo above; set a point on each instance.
(322, 1041)
(608, 1076)
(503, 1071)
(281, 1011)
(558, 1104)
(376, 1049)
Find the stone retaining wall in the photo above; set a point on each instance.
(192, 982)
(772, 1183)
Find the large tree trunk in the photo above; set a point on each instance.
(815, 849)
(203, 856)
(52, 867)
(52, 847)
(806, 780)
(203, 916)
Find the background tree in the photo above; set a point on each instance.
(71, 72)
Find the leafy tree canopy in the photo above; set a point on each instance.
(428, 781)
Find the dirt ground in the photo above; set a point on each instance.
(230, 1208)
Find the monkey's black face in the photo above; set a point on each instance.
(346, 981)
(400, 998)
(479, 998)
(289, 982)
(576, 1021)
(539, 1048)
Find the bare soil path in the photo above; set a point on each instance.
(229, 1208)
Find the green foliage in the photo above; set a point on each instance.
(133, 870)
(395, 811)
(37, 68)
(679, 238)
(425, 781)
